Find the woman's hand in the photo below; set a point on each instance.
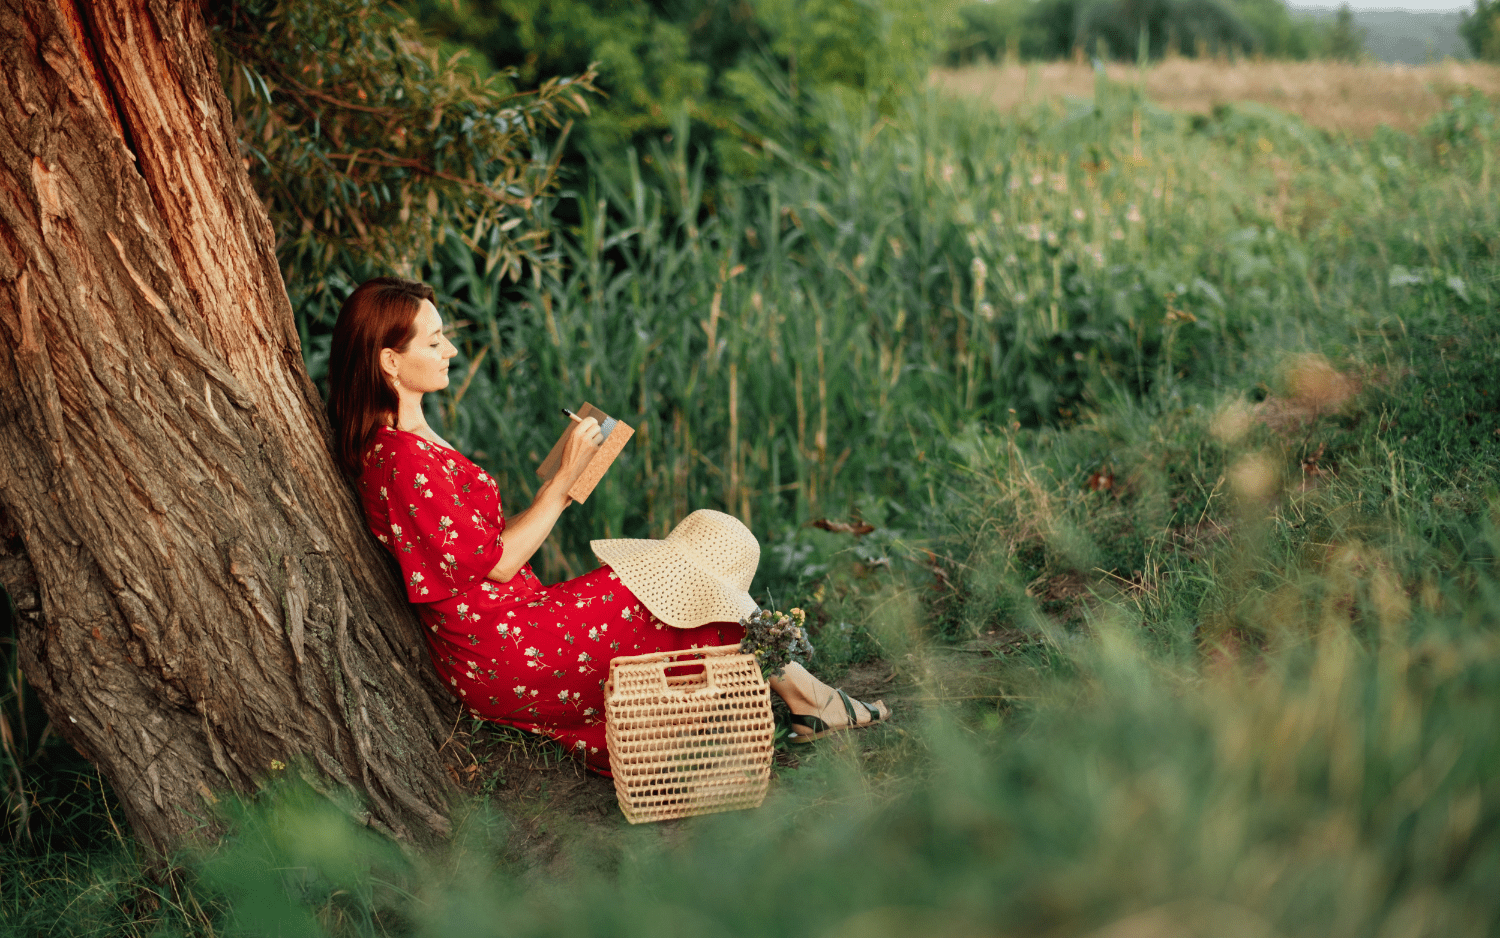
(580, 444)
(525, 532)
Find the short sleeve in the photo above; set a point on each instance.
(436, 523)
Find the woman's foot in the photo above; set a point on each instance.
(818, 709)
(842, 713)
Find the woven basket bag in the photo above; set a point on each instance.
(689, 732)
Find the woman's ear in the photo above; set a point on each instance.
(388, 364)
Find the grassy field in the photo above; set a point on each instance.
(1334, 96)
(1179, 447)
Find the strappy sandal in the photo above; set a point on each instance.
(821, 728)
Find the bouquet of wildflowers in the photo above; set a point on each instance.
(775, 639)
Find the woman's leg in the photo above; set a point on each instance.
(807, 696)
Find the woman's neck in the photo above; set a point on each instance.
(409, 415)
(411, 419)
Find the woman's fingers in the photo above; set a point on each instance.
(588, 430)
(582, 444)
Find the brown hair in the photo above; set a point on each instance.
(379, 314)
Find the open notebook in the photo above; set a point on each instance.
(616, 434)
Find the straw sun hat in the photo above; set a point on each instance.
(699, 574)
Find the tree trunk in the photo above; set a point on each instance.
(199, 594)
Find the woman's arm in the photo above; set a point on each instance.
(525, 532)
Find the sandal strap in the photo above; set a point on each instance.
(811, 722)
(849, 708)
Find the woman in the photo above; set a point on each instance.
(509, 648)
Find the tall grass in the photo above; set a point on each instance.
(802, 347)
(806, 348)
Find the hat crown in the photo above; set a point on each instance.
(720, 545)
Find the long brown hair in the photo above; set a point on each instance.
(379, 314)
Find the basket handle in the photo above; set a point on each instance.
(707, 653)
(713, 669)
(712, 659)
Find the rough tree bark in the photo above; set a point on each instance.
(199, 594)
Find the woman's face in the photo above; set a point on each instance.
(423, 366)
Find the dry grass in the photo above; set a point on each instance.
(1339, 97)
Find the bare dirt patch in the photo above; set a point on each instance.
(1335, 96)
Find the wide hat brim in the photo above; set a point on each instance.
(671, 584)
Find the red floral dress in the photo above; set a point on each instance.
(518, 653)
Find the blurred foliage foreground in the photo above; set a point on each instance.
(1174, 448)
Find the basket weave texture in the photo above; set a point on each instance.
(689, 732)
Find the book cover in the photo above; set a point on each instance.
(616, 434)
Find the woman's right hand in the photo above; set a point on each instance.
(579, 446)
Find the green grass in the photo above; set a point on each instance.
(1186, 555)
(812, 340)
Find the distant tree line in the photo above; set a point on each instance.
(1128, 29)
(739, 78)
